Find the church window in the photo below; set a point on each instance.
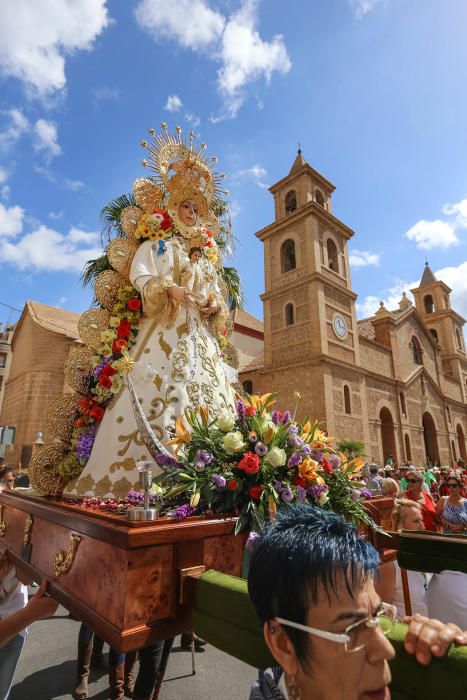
(403, 405)
(248, 386)
(429, 304)
(434, 334)
(347, 404)
(288, 261)
(333, 261)
(319, 198)
(290, 202)
(416, 351)
(459, 339)
(448, 412)
(408, 449)
(289, 315)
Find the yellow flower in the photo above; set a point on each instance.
(211, 254)
(308, 470)
(107, 336)
(261, 402)
(181, 435)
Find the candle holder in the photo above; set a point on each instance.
(144, 512)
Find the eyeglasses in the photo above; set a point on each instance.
(453, 485)
(355, 636)
(413, 481)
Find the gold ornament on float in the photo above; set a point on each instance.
(129, 220)
(230, 354)
(107, 287)
(120, 252)
(60, 416)
(147, 195)
(91, 324)
(78, 369)
(43, 469)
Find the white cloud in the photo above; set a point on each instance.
(192, 23)
(45, 249)
(73, 185)
(61, 302)
(45, 139)
(5, 192)
(15, 127)
(363, 7)
(173, 104)
(263, 185)
(458, 211)
(233, 42)
(11, 221)
(257, 171)
(362, 258)
(55, 216)
(3, 175)
(36, 36)
(432, 234)
(66, 183)
(193, 120)
(391, 298)
(105, 94)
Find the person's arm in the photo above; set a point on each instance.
(40, 606)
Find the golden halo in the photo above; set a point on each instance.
(43, 469)
(129, 220)
(91, 324)
(120, 252)
(107, 287)
(147, 195)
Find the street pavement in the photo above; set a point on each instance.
(47, 669)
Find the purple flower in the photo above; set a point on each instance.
(183, 511)
(85, 443)
(252, 437)
(295, 441)
(286, 495)
(316, 491)
(98, 370)
(286, 417)
(252, 538)
(135, 498)
(165, 460)
(301, 494)
(219, 481)
(317, 455)
(241, 410)
(200, 466)
(366, 493)
(203, 456)
(294, 460)
(292, 429)
(278, 486)
(355, 495)
(334, 461)
(306, 449)
(260, 449)
(275, 417)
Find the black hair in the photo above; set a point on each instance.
(194, 249)
(6, 470)
(304, 548)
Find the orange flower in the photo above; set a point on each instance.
(308, 470)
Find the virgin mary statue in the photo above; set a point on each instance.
(166, 318)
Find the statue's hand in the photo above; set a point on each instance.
(182, 296)
(209, 310)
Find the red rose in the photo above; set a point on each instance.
(118, 345)
(124, 328)
(250, 411)
(327, 467)
(208, 244)
(105, 381)
(208, 233)
(79, 422)
(166, 223)
(133, 304)
(300, 481)
(232, 485)
(249, 463)
(108, 371)
(255, 492)
(97, 412)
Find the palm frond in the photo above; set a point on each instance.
(93, 268)
(233, 282)
(111, 213)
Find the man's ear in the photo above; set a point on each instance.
(280, 647)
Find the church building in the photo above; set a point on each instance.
(396, 380)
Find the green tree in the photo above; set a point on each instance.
(351, 448)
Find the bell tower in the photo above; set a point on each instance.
(432, 301)
(309, 305)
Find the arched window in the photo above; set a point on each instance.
(459, 339)
(290, 201)
(319, 198)
(248, 386)
(429, 305)
(333, 261)
(453, 450)
(417, 351)
(347, 404)
(288, 261)
(448, 412)
(408, 449)
(434, 334)
(403, 406)
(289, 315)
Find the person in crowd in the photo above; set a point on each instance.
(402, 477)
(443, 489)
(415, 493)
(7, 478)
(374, 481)
(390, 488)
(407, 515)
(325, 614)
(15, 614)
(451, 510)
(86, 642)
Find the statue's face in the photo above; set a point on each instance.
(188, 212)
(195, 256)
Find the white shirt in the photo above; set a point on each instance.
(283, 687)
(13, 596)
(447, 597)
(418, 588)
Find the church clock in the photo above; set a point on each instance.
(339, 326)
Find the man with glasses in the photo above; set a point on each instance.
(311, 582)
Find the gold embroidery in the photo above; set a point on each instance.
(180, 360)
(103, 487)
(128, 463)
(157, 382)
(121, 487)
(209, 364)
(192, 389)
(182, 330)
(165, 347)
(85, 485)
(144, 342)
(120, 419)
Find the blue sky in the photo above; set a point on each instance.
(374, 90)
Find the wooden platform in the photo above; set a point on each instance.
(121, 578)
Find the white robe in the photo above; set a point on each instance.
(176, 368)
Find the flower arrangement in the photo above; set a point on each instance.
(251, 462)
(157, 226)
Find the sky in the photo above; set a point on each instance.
(374, 91)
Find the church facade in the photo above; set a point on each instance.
(396, 380)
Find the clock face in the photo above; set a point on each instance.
(339, 325)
